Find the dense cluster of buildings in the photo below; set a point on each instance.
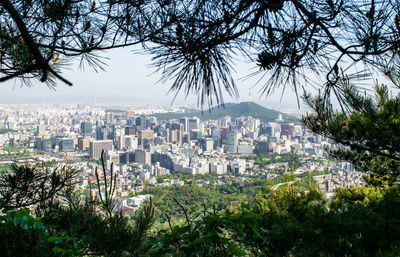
(144, 147)
(343, 176)
(187, 145)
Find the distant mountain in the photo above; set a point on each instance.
(230, 109)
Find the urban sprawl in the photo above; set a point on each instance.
(142, 148)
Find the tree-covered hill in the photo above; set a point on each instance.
(230, 109)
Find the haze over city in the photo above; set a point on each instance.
(129, 78)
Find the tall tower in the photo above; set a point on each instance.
(86, 129)
(232, 142)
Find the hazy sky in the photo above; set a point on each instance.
(128, 77)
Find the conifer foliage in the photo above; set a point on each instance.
(196, 43)
(367, 133)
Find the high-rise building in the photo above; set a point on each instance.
(232, 142)
(184, 122)
(130, 131)
(287, 130)
(43, 144)
(151, 122)
(175, 136)
(194, 134)
(186, 138)
(131, 142)
(111, 158)
(127, 143)
(207, 144)
(146, 136)
(226, 120)
(46, 145)
(86, 129)
(279, 119)
(178, 126)
(109, 117)
(262, 147)
(159, 140)
(83, 143)
(193, 123)
(216, 135)
(141, 122)
(245, 149)
(264, 130)
(96, 147)
(66, 144)
(105, 132)
(127, 157)
(164, 159)
(40, 131)
(142, 156)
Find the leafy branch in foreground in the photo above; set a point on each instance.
(368, 133)
(25, 185)
(37, 36)
(286, 39)
(65, 224)
(203, 233)
(99, 227)
(280, 221)
(195, 43)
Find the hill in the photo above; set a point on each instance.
(230, 109)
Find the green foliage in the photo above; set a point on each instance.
(198, 236)
(358, 222)
(11, 149)
(293, 160)
(368, 132)
(192, 196)
(95, 231)
(5, 167)
(73, 227)
(48, 164)
(234, 193)
(26, 185)
(366, 220)
(195, 197)
(13, 152)
(24, 235)
(285, 222)
(195, 43)
(289, 217)
(100, 229)
(4, 131)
